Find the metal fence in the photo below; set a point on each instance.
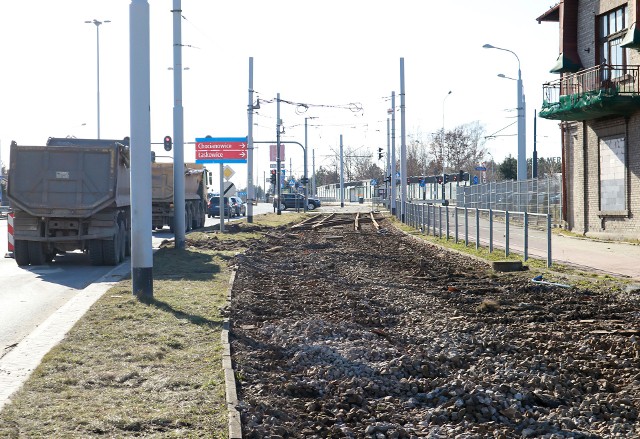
(534, 196)
(510, 230)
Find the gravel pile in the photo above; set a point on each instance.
(343, 334)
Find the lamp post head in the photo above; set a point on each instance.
(97, 22)
(488, 46)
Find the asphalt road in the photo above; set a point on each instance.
(30, 295)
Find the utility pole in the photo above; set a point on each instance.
(393, 152)
(534, 160)
(403, 146)
(341, 174)
(278, 175)
(306, 177)
(250, 187)
(387, 185)
(140, 126)
(313, 170)
(179, 220)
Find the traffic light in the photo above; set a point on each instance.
(461, 175)
(380, 154)
(454, 177)
(153, 156)
(446, 178)
(273, 176)
(439, 179)
(168, 143)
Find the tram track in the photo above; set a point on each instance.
(343, 326)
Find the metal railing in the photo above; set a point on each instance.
(612, 79)
(484, 227)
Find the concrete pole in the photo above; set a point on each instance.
(393, 152)
(140, 121)
(534, 160)
(222, 198)
(403, 146)
(250, 187)
(341, 174)
(387, 172)
(179, 220)
(522, 130)
(278, 176)
(306, 184)
(313, 171)
(444, 171)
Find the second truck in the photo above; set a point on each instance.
(195, 185)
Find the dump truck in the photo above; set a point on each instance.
(195, 198)
(71, 194)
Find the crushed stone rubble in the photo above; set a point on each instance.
(377, 335)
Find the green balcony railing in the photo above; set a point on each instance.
(599, 91)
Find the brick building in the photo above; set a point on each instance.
(597, 101)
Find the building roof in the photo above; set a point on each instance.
(553, 14)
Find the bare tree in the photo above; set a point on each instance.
(461, 148)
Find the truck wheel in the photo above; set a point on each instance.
(21, 252)
(202, 216)
(95, 252)
(123, 241)
(186, 220)
(127, 242)
(36, 253)
(111, 250)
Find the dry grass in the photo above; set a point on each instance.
(138, 369)
(130, 368)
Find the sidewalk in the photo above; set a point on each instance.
(616, 258)
(611, 257)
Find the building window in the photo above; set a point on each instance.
(612, 27)
(613, 182)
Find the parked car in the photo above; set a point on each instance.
(214, 207)
(293, 201)
(239, 208)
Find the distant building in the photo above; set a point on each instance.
(597, 100)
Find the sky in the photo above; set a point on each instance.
(341, 58)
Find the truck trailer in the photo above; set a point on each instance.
(72, 194)
(195, 186)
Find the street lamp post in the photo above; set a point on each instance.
(442, 146)
(98, 23)
(522, 146)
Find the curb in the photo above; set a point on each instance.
(18, 364)
(235, 425)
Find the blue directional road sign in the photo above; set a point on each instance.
(481, 168)
(374, 182)
(475, 179)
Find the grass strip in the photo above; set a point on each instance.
(130, 368)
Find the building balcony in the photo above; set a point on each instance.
(600, 91)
